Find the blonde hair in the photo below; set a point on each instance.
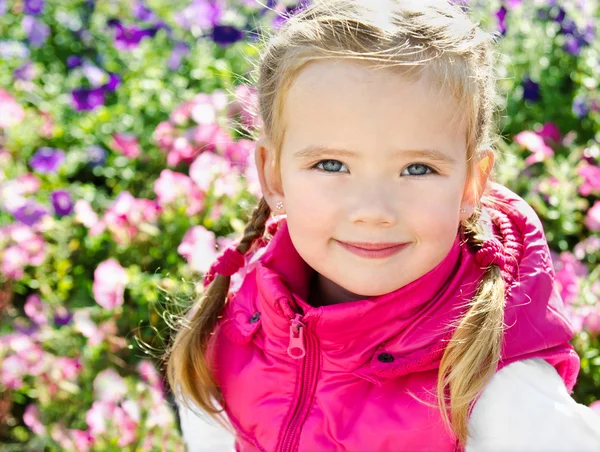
(414, 38)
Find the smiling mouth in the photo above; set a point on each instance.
(373, 250)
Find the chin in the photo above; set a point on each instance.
(368, 289)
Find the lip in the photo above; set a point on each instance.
(374, 250)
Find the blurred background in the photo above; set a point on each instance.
(126, 140)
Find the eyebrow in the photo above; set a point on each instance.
(315, 151)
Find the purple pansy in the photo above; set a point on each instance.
(501, 16)
(141, 12)
(180, 50)
(35, 7)
(47, 160)
(580, 108)
(200, 13)
(226, 34)
(25, 72)
(129, 37)
(62, 317)
(74, 61)
(531, 90)
(30, 213)
(62, 202)
(88, 99)
(113, 82)
(36, 30)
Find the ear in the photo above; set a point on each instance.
(269, 177)
(482, 167)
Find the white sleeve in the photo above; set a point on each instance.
(526, 407)
(202, 433)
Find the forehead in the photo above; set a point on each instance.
(348, 105)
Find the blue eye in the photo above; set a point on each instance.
(330, 166)
(421, 170)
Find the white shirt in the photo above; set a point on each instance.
(525, 407)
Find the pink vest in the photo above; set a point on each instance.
(301, 378)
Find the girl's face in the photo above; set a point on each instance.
(375, 182)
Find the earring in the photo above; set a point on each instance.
(462, 210)
(279, 205)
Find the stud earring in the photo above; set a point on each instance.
(462, 210)
(279, 205)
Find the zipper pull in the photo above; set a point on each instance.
(296, 349)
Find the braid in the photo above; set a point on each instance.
(472, 355)
(187, 365)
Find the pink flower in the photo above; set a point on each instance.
(550, 133)
(11, 112)
(246, 106)
(596, 406)
(592, 322)
(31, 418)
(592, 219)
(109, 386)
(88, 328)
(84, 214)
(109, 284)
(590, 245)
(98, 415)
(36, 310)
(182, 113)
(14, 260)
(12, 370)
(536, 145)
(569, 272)
(198, 247)
(127, 417)
(164, 134)
(591, 179)
(126, 144)
(238, 153)
(206, 168)
(172, 187)
(149, 374)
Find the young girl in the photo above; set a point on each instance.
(400, 299)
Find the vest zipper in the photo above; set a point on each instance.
(302, 346)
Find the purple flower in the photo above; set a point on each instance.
(36, 30)
(35, 7)
(501, 15)
(531, 90)
(3, 8)
(200, 13)
(113, 82)
(30, 213)
(580, 108)
(25, 72)
(88, 99)
(226, 34)
(62, 317)
(47, 160)
(96, 155)
(141, 12)
(127, 38)
(62, 202)
(180, 50)
(73, 61)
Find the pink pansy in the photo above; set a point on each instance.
(172, 186)
(591, 179)
(31, 418)
(126, 144)
(11, 112)
(84, 214)
(182, 113)
(536, 145)
(109, 284)
(127, 425)
(14, 260)
(109, 386)
(98, 415)
(238, 153)
(569, 271)
(209, 137)
(592, 219)
(36, 309)
(592, 322)
(182, 150)
(206, 168)
(550, 133)
(164, 134)
(198, 247)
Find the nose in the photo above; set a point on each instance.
(373, 205)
